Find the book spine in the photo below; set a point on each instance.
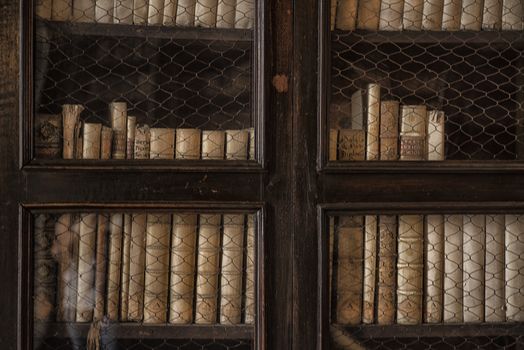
(245, 14)
(413, 132)
(346, 15)
(131, 134)
(86, 268)
(126, 251)
(436, 136)
(434, 268)
(226, 11)
(137, 266)
(451, 15)
(170, 7)
(512, 15)
(162, 145)
(413, 11)
(213, 144)
(252, 143)
(84, 11)
(106, 142)
(387, 256)
(432, 15)
(70, 123)
(351, 144)
(333, 144)
(188, 144)
(155, 13)
(250, 289)
(206, 13)
(116, 226)
(48, 135)
(140, 11)
(79, 142)
(373, 122)
(183, 247)
(389, 130)
(514, 268)
(410, 269)
(333, 14)
(349, 270)
(101, 266)
(471, 15)
(391, 12)
(368, 14)
(44, 268)
(44, 9)
(474, 249)
(494, 277)
(91, 141)
(492, 15)
(357, 110)
(207, 269)
(370, 268)
(142, 142)
(123, 12)
(62, 10)
(104, 11)
(118, 116)
(236, 144)
(185, 14)
(453, 243)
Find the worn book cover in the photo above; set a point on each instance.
(370, 265)
(126, 250)
(514, 275)
(62, 10)
(434, 268)
(436, 136)
(226, 11)
(48, 136)
(130, 137)
(389, 111)
(351, 144)
(492, 15)
(155, 12)
(187, 143)
(432, 15)
(413, 132)
(116, 227)
(474, 228)
(250, 291)
(170, 8)
(123, 12)
(162, 145)
(237, 144)
(85, 303)
(387, 272)
(44, 268)
(391, 12)
(206, 13)
(185, 14)
(84, 11)
(373, 122)
(137, 267)
(102, 231)
(453, 277)
(118, 118)
(104, 11)
(106, 142)
(494, 270)
(346, 15)
(413, 11)
(91, 141)
(368, 14)
(471, 14)
(245, 14)
(512, 15)
(44, 9)
(71, 126)
(142, 142)
(451, 15)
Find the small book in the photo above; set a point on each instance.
(85, 303)
(387, 256)
(126, 251)
(213, 144)
(162, 145)
(413, 11)
(226, 12)
(245, 14)
(514, 275)
(471, 15)
(62, 10)
(71, 127)
(373, 122)
(118, 117)
(413, 132)
(351, 144)
(84, 11)
(370, 265)
(391, 12)
(436, 136)
(495, 265)
(346, 15)
(155, 13)
(206, 13)
(410, 269)
(207, 269)
(512, 15)
(116, 227)
(187, 144)
(333, 144)
(104, 11)
(137, 266)
(474, 249)
(434, 267)
(101, 266)
(123, 14)
(183, 251)
(389, 130)
(368, 14)
(91, 141)
(44, 268)
(44, 9)
(250, 288)
(130, 137)
(451, 15)
(453, 278)
(185, 14)
(106, 142)
(492, 15)
(142, 142)
(140, 11)
(48, 136)
(237, 144)
(157, 268)
(170, 7)
(432, 15)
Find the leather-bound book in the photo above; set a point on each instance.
(124, 11)
(432, 15)
(84, 11)
(137, 267)
(387, 256)
(368, 14)
(106, 142)
(237, 144)
(391, 12)
(114, 268)
(373, 122)
(104, 11)
(494, 269)
(162, 144)
(413, 10)
(452, 13)
(102, 236)
(434, 268)
(351, 144)
(130, 137)
(187, 144)
(226, 11)
(118, 117)
(453, 278)
(512, 12)
(155, 12)
(91, 141)
(170, 7)
(126, 251)
(185, 14)
(71, 126)
(142, 142)
(389, 111)
(48, 136)
(370, 268)
(413, 132)
(346, 15)
(471, 15)
(140, 12)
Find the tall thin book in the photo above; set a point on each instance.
(346, 15)
(492, 15)
(514, 275)
(391, 12)
(86, 268)
(453, 279)
(104, 11)
(140, 11)
(155, 12)
(44, 268)
(413, 11)
(370, 268)
(368, 14)
(123, 11)
(451, 15)
(432, 15)
(387, 252)
(373, 122)
(512, 12)
(137, 266)
(495, 265)
(245, 14)
(185, 13)
(434, 268)
(206, 13)
(474, 228)
(116, 227)
(101, 266)
(471, 14)
(213, 144)
(249, 298)
(126, 249)
(226, 11)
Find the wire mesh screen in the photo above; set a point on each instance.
(142, 280)
(426, 281)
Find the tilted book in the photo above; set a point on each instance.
(226, 11)
(106, 142)
(101, 266)
(432, 15)
(368, 14)
(116, 228)
(389, 130)
(250, 291)
(91, 141)
(71, 126)
(130, 137)
(157, 268)
(452, 13)
(62, 10)
(170, 7)
(236, 144)
(48, 135)
(142, 142)
(183, 251)
(84, 11)
(474, 228)
(434, 268)
(245, 14)
(44, 9)
(494, 270)
(346, 15)
(350, 248)
(387, 256)
(333, 144)
(185, 14)
(137, 266)
(207, 269)
(512, 15)
(391, 12)
(436, 136)
(413, 10)
(206, 13)
(126, 251)
(514, 275)
(471, 14)
(453, 278)
(104, 11)
(118, 118)
(373, 122)
(140, 11)
(162, 145)
(155, 13)
(85, 303)
(370, 268)
(492, 15)
(410, 269)
(44, 268)
(123, 11)
(187, 144)
(351, 144)
(413, 132)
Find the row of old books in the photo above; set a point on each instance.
(150, 268)
(421, 135)
(436, 15)
(69, 137)
(414, 269)
(198, 13)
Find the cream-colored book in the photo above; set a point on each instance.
(79, 143)
(126, 251)
(436, 136)
(137, 266)
(84, 11)
(226, 11)
(451, 15)
(434, 268)
(188, 143)
(514, 275)
(62, 10)
(368, 14)
(237, 144)
(44, 267)
(104, 11)
(207, 269)
(185, 14)
(346, 15)
(332, 13)
(413, 132)
(474, 229)
(118, 118)
(106, 142)
(250, 289)
(101, 266)
(155, 13)
(183, 251)
(351, 144)
(453, 278)
(413, 11)
(387, 253)
(373, 122)
(370, 268)
(85, 302)
(213, 144)
(123, 11)
(494, 276)
(140, 11)
(232, 266)
(357, 110)
(389, 111)
(157, 268)
(116, 228)
(44, 9)
(391, 12)
(252, 143)
(130, 137)
(91, 141)
(410, 269)
(206, 13)
(471, 15)
(492, 15)
(432, 15)
(350, 232)
(512, 15)
(162, 145)
(333, 144)
(142, 142)
(71, 127)
(170, 7)
(245, 14)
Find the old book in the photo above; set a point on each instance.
(91, 141)
(245, 14)
(368, 14)
(101, 266)
(413, 10)
(453, 278)
(387, 256)
(252, 143)
(140, 11)
(373, 122)
(346, 15)
(187, 144)
(104, 11)
(79, 143)
(512, 15)
(236, 144)
(170, 7)
(351, 144)
(494, 269)
(474, 249)
(370, 268)
(118, 117)
(213, 144)
(333, 144)
(226, 11)
(434, 268)
(130, 137)
(183, 251)
(410, 269)
(389, 130)
(162, 145)
(44, 268)
(250, 291)
(492, 15)
(514, 275)
(123, 13)
(48, 135)
(157, 268)
(44, 9)
(142, 142)
(432, 15)
(391, 12)
(471, 14)
(333, 14)
(436, 136)
(185, 14)
(232, 266)
(62, 10)
(126, 251)
(85, 303)
(114, 269)
(349, 270)
(207, 269)
(71, 127)
(137, 266)
(106, 142)
(413, 132)
(84, 11)
(357, 110)
(451, 15)
(206, 13)
(155, 13)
